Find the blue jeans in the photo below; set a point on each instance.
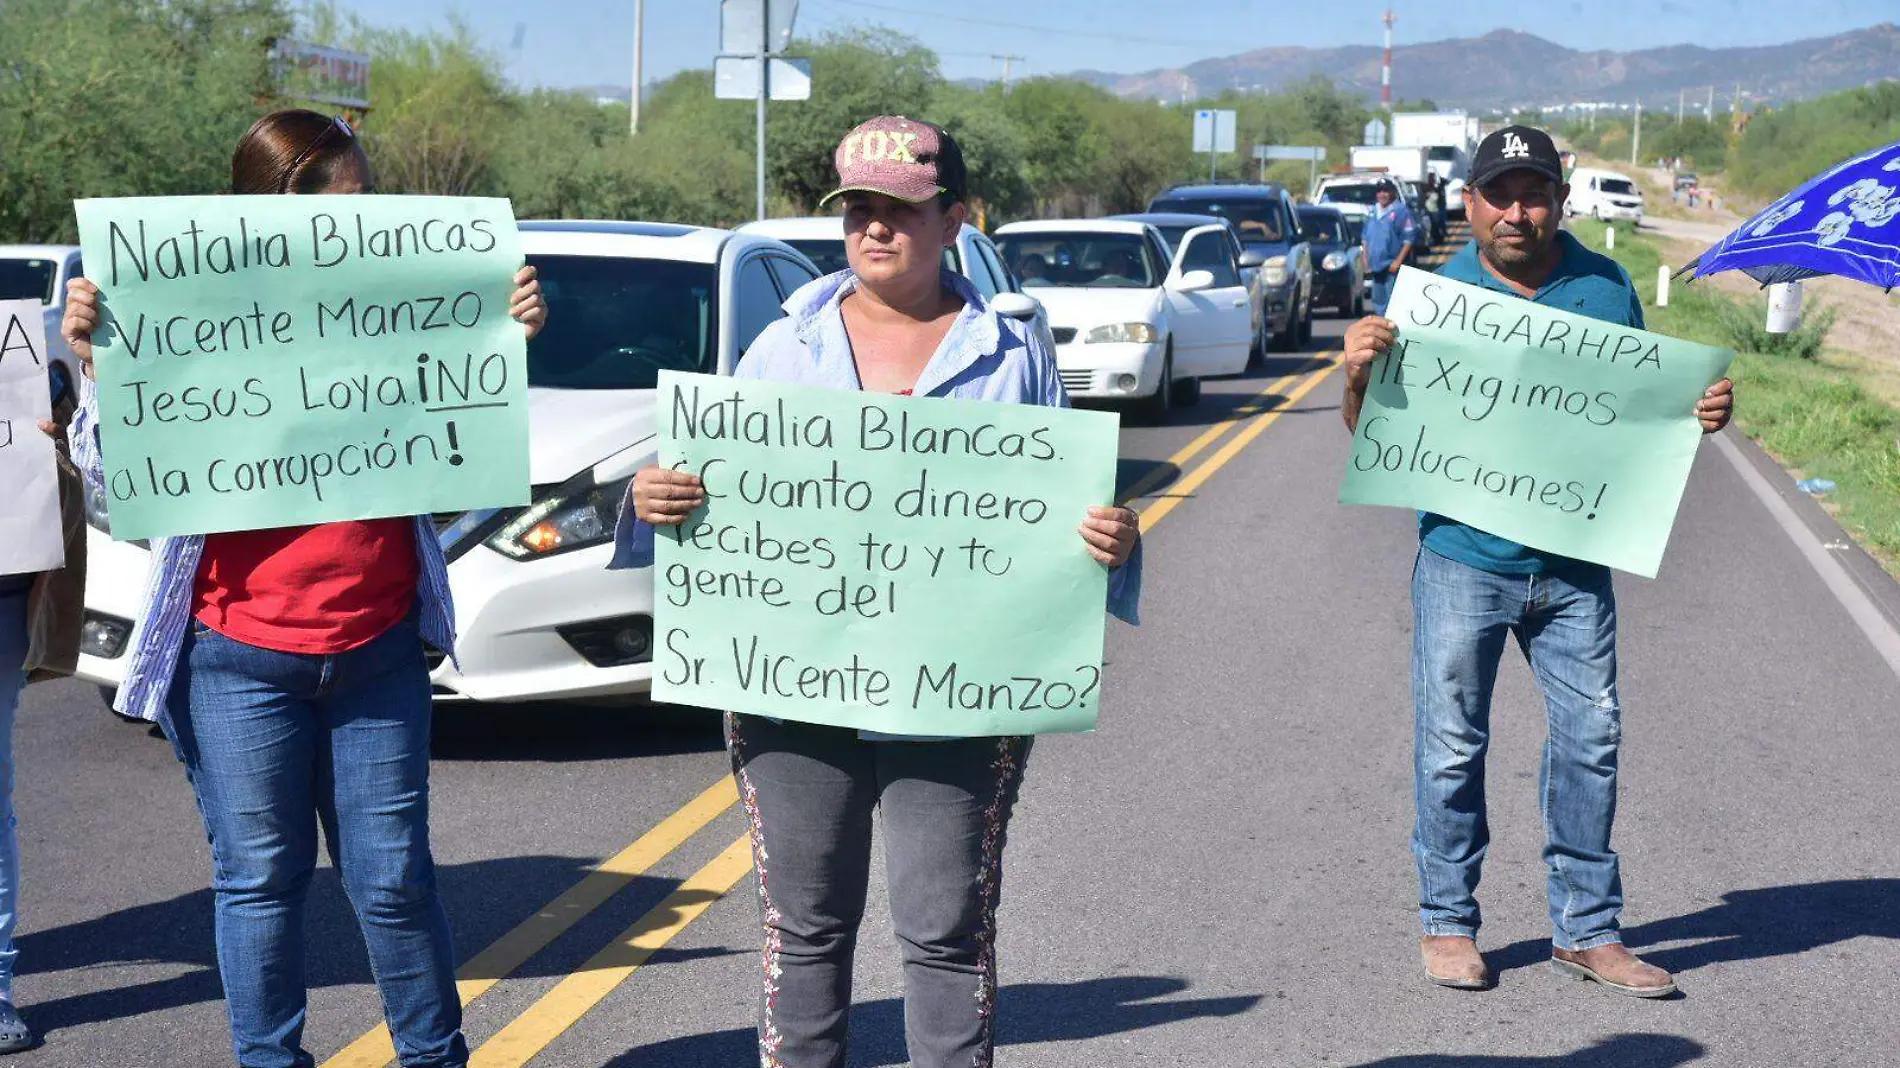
(1566, 626)
(275, 743)
(12, 680)
(1382, 282)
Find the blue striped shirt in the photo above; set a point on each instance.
(985, 356)
(171, 592)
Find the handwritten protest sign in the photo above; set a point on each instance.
(30, 538)
(278, 361)
(907, 565)
(1556, 431)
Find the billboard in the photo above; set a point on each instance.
(320, 74)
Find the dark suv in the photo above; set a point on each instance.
(1265, 217)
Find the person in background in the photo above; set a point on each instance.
(287, 668)
(1388, 238)
(1472, 591)
(895, 323)
(40, 618)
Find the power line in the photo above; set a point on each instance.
(940, 16)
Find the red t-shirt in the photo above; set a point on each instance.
(318, 590)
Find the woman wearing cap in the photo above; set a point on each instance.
(893, 323)
(287, 667)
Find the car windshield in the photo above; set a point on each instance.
(1324, 227)
(1617, 186)
(616, 323)
(826, 252)
(1080, 260)
(27, 280)
(1260, 221)
(1352, 226)
(1173, 235)
(1349, 193)
(1442, 153)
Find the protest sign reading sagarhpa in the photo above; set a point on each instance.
(1554, 430)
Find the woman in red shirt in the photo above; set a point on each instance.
(299, 696)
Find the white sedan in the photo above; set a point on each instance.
(538, 615)
(1131, 322)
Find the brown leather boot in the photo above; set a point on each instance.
(1453, 961)
(1614, 967)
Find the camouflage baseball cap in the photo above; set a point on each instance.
(899, 157)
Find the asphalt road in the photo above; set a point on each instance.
(1218, 877)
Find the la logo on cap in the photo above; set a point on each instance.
(1514, 147)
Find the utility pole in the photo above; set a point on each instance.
(1709, 112)
(1007, 60)
(1636, 140)
(1680, 95)
(639, 26)
(765, 67)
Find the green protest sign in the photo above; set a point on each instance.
(278, 361)
(907, 565)
(1557, 431)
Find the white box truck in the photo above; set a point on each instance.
(1400, 161)
(1446, 137)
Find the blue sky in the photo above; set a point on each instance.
(591, 41)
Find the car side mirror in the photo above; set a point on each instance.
(1194, 282)
(1252, 257)
(1015, 306)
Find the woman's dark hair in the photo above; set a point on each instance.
(291, 151)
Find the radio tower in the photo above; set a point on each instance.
(1385, 72)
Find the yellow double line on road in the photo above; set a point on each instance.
(576, 995)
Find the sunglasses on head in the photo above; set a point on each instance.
(337, 126)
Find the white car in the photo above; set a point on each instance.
(1604, 195)
(974, 256)
(1133, 323)
(40, 272)
(539, 617)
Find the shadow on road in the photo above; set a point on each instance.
(485, 900)
(1027, 1013)
(556, 733)
(1620, 1051)
(1776, 921)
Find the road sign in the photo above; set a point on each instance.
(1214, 131)
(1309, 153)
(321, 75)
(1374, 133)
(737, 78)
(740, 25)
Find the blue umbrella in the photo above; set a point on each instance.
(1846, 222)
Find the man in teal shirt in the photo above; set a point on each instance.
(1472, 590)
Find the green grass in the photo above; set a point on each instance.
(1813, 417)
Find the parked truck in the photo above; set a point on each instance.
(1446, 137)
(1400, 161)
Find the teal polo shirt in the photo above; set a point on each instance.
(1584, 283)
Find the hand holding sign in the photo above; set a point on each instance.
(1560, 432)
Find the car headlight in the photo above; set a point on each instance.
(569, 518)
(1143, 333)
(1275, 271)
(1334, 261)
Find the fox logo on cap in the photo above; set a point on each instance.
(873, 146)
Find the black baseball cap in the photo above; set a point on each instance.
(1516, 148)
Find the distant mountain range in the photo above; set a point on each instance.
(1507, 69)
